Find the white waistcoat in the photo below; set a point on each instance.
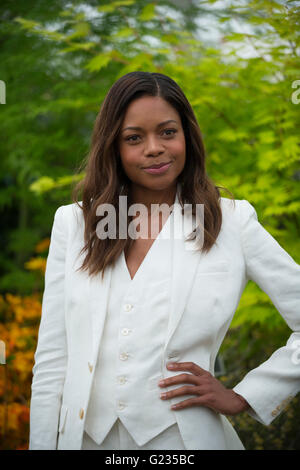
(130, 359)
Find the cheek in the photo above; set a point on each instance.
(128, 155)
(178, 147)
(179, 152)
(130, 161)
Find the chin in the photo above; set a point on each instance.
(161, 183)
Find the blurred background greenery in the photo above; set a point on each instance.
(238, 64)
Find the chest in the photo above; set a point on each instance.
(135, 255)
(137, 252)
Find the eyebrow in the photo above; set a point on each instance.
(136, 128)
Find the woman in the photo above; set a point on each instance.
(131, 326)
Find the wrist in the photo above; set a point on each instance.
(244, 404)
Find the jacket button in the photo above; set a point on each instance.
(90, 367)
(81, 413)
(173, 354)
(274, 412)
(121, 406)
(123, 356)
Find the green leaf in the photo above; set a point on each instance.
(54, 35)
(267, 137)
(45, 183)
(42, 184)
(112, 7)
(98, 62)
(27, 24)
(66, 13)
(148, 13)
(81, 30)
(227, 134)
(123, 33)
(78, 46)
(107, 8)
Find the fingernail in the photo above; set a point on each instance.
(161, 382)
(171, 365)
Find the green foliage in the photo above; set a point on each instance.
(245, 349)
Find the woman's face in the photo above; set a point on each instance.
(146, 139)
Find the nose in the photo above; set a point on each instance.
(153, 146)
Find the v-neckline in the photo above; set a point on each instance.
(147, 254)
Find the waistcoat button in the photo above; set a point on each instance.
(122, 380)
(123, 356)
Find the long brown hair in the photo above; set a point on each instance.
(105, 179)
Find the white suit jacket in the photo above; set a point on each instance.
(205, 293)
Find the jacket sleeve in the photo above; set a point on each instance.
(269, 387)
(51, 353)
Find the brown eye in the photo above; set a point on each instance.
(130, 137)
(170, 130)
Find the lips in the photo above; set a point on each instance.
(159, 169)
(156, 166)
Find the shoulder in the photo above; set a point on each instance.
(69, 210)
(66, 215)
(237, 206)
(238, 211)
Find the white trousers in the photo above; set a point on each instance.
(119, 438)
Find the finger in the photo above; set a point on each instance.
(186, 390)
(190, 366)
(196, 401)
(178, 379)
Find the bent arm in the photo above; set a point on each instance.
(51, 353)
(269, 387)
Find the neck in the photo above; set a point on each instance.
(147, 196)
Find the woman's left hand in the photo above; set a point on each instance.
(207, 389)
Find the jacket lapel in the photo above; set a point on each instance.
(185, 260)
(98, 291)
